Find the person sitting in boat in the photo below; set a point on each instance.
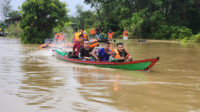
(105, 52)
(57, 36)
(86, 53)
(78, 45)
(84, 34)
(62, 37)
(120, 54)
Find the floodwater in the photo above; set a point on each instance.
(32, 80)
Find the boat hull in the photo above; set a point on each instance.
(142, 65)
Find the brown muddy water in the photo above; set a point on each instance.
(32, 80)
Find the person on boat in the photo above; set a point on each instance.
(125, 33)
(105, 52)
(84, 34)
(62, 37)
(98, 33)
(77, 46)
(94, 43)
(76, 40)
(57, 36)
(86, 53)
(120, 54)
(92, 33)
(110, 35)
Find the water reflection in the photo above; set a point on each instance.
(41, 83)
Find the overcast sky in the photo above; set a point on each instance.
(71, 5)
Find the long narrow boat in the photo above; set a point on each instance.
(141, 65)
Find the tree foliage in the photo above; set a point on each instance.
(149, 18)
(14, 14)
(40, 17)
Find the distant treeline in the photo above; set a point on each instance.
(150, 19)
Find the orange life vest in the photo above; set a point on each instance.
(92, 31)
(76, 36)
(118, 55)
(94, 43)
(125, 33)
(84, 36)
(110, 35)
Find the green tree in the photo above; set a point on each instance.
(40, 17)
(150, 18)
(14, 14)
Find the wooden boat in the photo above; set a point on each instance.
(141, 65)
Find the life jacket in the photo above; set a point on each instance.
(92, 31)
(118, 55)
(110, 35)
(76, 36)
(84, 36)
(125, 33)
(94, 43)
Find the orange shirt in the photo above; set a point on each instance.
(110, 35)
(92, 31)
(125, 33)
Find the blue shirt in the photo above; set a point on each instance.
(102, 55)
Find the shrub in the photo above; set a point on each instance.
(39, 18)
(171, 32)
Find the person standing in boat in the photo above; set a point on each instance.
(120, 54)
(98, 33)
(105, 52)
(86, 53)
(76, 41)
(110, 35)
(84, 34)
(78, 46)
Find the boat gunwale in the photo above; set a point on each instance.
(154, 60)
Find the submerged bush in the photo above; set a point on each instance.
(13, 30)
(194, 38)
(171, 32)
